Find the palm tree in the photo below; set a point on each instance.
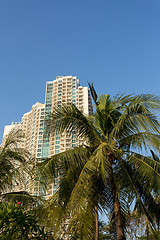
(108, 172)
(13, 161)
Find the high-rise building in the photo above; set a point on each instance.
(63, 90)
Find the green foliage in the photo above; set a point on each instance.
(16, 223)
(106, 231)
(108, 172)
(13, 160)
(138, 227)
(150, 236)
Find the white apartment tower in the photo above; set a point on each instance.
(63, 90)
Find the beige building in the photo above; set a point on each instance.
(32, 126)
(14, 126)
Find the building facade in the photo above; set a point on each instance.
(32, 127)
(63, 90)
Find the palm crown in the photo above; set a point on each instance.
(107, 173)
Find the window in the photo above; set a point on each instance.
(48, 103)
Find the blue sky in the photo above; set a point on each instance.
(113, 43)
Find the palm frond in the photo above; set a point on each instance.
(94, 94)
(130, 182)
(146, 140)
(149, 168)
(13, 160)
(137, 117)
(70, 118)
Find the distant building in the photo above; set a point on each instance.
(14, 126)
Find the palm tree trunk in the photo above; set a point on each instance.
(118, 219)
(117, 211)
(97, 224)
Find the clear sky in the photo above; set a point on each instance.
(113, 43)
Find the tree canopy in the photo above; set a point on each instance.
(109, 172)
